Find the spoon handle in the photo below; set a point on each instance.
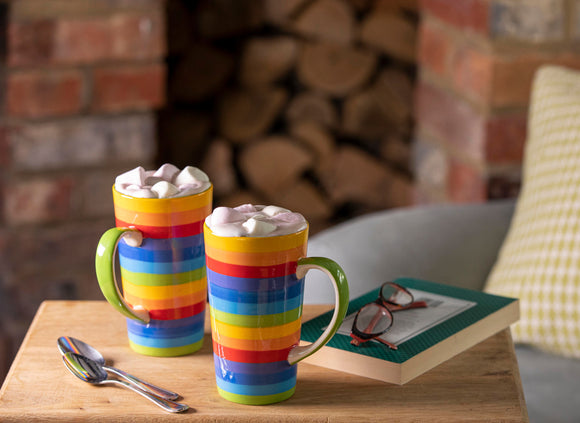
(167, 405)
(155, 390)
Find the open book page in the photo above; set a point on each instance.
(410, 323)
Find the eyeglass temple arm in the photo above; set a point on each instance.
(416, 304)
(356, 341)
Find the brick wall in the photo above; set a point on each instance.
(477, 61)
(81, 81)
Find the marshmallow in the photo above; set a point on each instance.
(228, 230)
(164, 189)
(158, 183)
(132, 177)
(254, 221)
(141, 193)
(246, 208)
(166, 172)
(258, 227)
(223, 215)
(190, 175)
(274, 210)
(190, 189)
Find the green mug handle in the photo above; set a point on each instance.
(340, 285)
(105, 267)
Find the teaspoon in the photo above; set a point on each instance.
(89, 371)
(73, 345)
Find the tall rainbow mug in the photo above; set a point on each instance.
(162, 260)
(256, 287)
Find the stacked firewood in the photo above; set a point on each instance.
(306, 104)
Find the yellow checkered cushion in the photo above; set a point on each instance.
(539, 261)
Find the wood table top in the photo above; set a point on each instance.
(480, 384)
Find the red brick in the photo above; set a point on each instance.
(35, 94)
(465, 184)
(30, 42)
(451, 120)
(38, 200)
(435, 48)
(472, 73)
(138, 36)
(82, 41)
(465, 14)
(128, 88)
(505, 139)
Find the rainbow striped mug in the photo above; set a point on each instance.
(256, 287)
(162, 260)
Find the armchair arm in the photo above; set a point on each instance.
(456, 244)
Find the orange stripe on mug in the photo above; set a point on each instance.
(160, 219)
(168, 303)
(258, 344)
(256, 259)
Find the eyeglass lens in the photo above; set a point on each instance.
(373, 319)
(395, 294)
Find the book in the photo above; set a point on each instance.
(454, 320)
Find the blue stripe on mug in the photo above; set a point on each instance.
(175, 323)
(275, 388)
(167, 328)
(161, 268)
(252, 368)
(166, 342)
(251, 284)
(253, 308)
(292, 290)
(170, 254)
(253, 379)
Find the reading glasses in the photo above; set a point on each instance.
(376, 318)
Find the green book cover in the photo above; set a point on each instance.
(482, 316)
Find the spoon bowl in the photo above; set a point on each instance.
(69, 344)
(92, 372)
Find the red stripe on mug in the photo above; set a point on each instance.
(178, 313)
(243, 356)
(160, 232)
(240, 271)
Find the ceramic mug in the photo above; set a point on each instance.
(162, 260)
(256, 287)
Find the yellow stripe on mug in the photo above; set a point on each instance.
(240, 332)
(166, 291)
(256, 244)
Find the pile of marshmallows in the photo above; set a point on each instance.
(254, 221)
(166, 182)
(246, 220)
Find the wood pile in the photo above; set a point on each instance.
(306, 104)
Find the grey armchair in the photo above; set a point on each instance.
(452, 244)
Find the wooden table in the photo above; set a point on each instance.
(480, 384)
